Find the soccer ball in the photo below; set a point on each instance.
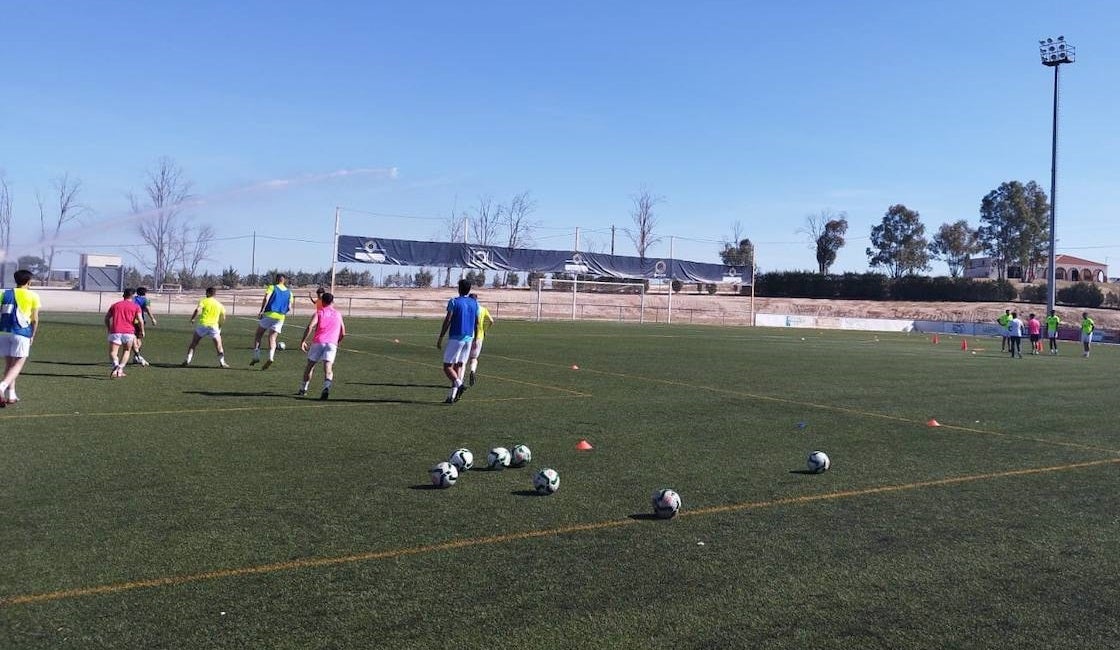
(546, 481)
(520, 456)
(819, 462)
(444, 475)
(281, 346)
(498, 458)
(666, 503)
(462, 459)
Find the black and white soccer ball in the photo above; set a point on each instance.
(462, 459)
(498, 458)
(666, 503)
(546, 481)
(520, 456)
(818, 462)
(444, 475)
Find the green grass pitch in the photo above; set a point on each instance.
(207, 508)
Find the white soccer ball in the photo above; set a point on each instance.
(546, 481)
(462, 459)
(444, 475)
(818, 462)
(498, 458)
(281, 345)
(520, 456)
(666, 503)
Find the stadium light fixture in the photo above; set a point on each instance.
(1054, 53)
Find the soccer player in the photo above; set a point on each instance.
(317, 297)
(1015, 336)
(1004, 321)
(122, 320)
(141, 300)
(211, 316)
(275, 306)
(485, 320)
(1034, 328)
(1052, 323)
(19, 323)
(326, 330)
(1087, 327)
(459, 326)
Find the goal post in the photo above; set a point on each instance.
(576, 299)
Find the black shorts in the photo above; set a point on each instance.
(1035, 338)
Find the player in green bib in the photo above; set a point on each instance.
(1087, 327)
(1052, 324)
(1004, 321)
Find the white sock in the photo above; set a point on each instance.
(190, 355)
(304, 386)
(272, 354)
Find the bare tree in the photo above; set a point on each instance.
(518, 220)
(192, 247)
(5, 218)
(455, 229)
(487, 218)
(67, 209)
(644, 220)
(163, 221)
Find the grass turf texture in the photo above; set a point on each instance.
(217, 510)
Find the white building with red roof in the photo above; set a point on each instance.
(1066, 267)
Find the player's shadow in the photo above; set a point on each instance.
(217, 393)
(98, 376)
(385, 400)
(395, 385)
(72, 363)
(645, 516)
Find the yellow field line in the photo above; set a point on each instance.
(25, 599)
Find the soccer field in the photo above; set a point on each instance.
(206, 508)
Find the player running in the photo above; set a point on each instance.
(485, 320)
(141, 300)
(19, 323)
(122, 320)
(459, 326)
(1087, 327)
(275, 306)
(326, 330)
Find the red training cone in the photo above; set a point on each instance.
(933, 423)
(964, 345)
(583, 445)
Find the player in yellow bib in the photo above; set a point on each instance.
(1052, 324)
(1087, 327)
(211, 316)
(1004, 321)
(485, 320)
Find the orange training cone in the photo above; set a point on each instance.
(936, 339)
(933, 423)
(964, 345)
(583, 445)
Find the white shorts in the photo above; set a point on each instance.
(15, 346)
(1086, 338)
(205, 331)
(322, 352)
(456, 351)
(122, 339)
(271, 324)
(476, 349)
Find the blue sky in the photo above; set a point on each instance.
(761, 113)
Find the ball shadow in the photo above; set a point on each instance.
(646, 516)
(803, 471)
(424, 486)
(527, 493)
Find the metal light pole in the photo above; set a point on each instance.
(1054, 53)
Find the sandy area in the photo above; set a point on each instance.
(726, 309)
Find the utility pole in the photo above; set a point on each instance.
(612, 239)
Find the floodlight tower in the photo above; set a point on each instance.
(1054, 53)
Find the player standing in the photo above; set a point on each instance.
(459, 326)
(275, 306)
(485, 320)
(1004, 321)
(1052, 323)
(1087, 327)
(141, 300)
(326, 330)
(122, 320)
(19, 323)
(1015, 336)
(1034, 328)
(211, 315)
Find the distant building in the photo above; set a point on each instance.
(1067, 267)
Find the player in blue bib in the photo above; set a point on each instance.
(459, 326)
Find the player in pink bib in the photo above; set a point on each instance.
(326, 330)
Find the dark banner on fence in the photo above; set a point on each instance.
(402, 252)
